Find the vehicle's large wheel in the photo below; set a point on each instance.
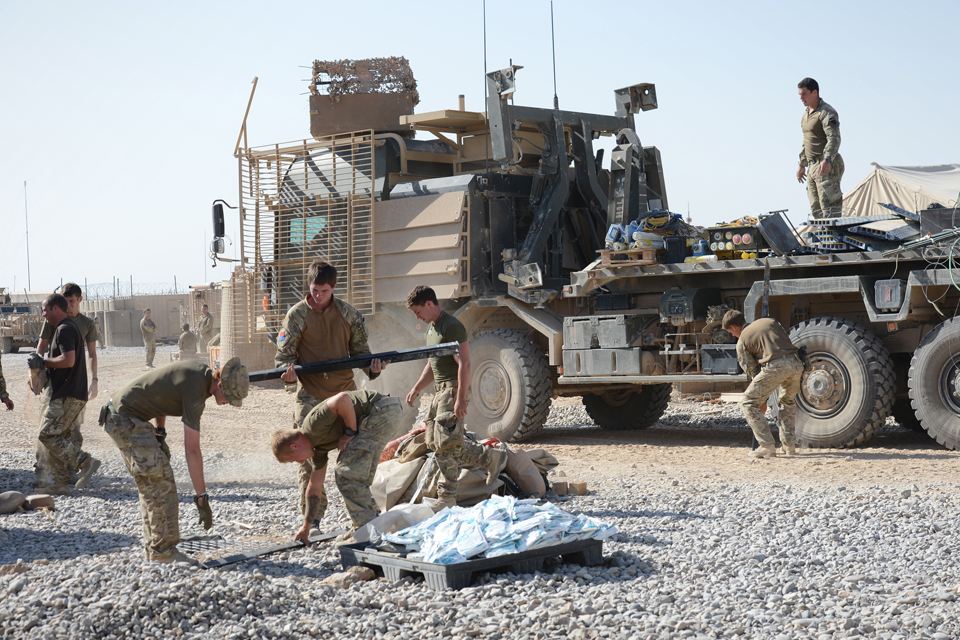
(848, 395)
(7, 345)
(934, 383)
(510, 386)
(627, 409)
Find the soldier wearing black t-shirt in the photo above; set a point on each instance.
(68, 396)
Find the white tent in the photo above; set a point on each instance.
(910, 188)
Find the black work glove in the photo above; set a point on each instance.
(36, 361)
(206, 513)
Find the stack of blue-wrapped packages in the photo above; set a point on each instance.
(499, 526)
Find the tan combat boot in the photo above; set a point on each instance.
(440, 505)
(497, 457)
(789, 450)
(764, 451)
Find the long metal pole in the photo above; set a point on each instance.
(27, 226)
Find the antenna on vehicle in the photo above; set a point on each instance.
(553, 48)
(486, 147)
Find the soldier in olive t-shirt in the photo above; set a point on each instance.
(444, 422)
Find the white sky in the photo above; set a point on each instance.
(122, 117)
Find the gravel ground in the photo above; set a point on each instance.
(829, 544)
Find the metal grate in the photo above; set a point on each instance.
(216, 551)
(300, 202)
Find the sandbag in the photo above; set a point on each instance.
(525, 473)
(392, 480)
(413, 448)
(543, 460)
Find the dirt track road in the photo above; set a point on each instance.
(686, 442)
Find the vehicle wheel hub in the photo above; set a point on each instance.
(493, 389)
(824, 388)
(950, 384)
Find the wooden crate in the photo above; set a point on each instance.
(629, 257)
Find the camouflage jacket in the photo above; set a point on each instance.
(821, 134)
(3, 386)
(149, 328)
(288, 340)
(205, 324)
(748, 361)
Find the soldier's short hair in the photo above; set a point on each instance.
(320, 272)
(733, 318)
(202, 307)
(281, 441)
(145, 310)
(809, 84)
(56, 300)
(71, 289)
(420, 296)
(186, 326)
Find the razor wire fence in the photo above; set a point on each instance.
(122, 289)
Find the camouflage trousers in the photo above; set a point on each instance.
(150, 468)
(203, 341)
(357, 464)
(304, 404)
(785, 373)
(57, 452)
(445, 438)
(51, 470)
(151, 348)
(826, 198)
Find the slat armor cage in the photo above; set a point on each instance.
(301, 202)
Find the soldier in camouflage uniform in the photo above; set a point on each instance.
(179, 389)
(4, 396)
(149, 330)
(66, 397)
(187, 344)
(821, 152)
(320, 327)
(770, 360)
(358, 424)
(204, 328)
(50, 471)
(451, 378)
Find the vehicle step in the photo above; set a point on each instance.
(394, 566)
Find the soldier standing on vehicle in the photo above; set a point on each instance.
(820, 152)
(770, 361)
(357, 423)
(67, 373)
(318, 328)
(179, 389)
(451, 378)
(204, 328)
(89, 333)
(149, 330)
(187, 343)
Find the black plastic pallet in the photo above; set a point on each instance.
(240, 550)
(457, 576)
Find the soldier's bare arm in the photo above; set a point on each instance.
(425, 379)
(63, 361)
(94, 387)
(191, 447)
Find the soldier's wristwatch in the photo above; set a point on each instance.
(827, 160)
(350, 432)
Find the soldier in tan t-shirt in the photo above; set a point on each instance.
(318, 328)
(770, 360)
